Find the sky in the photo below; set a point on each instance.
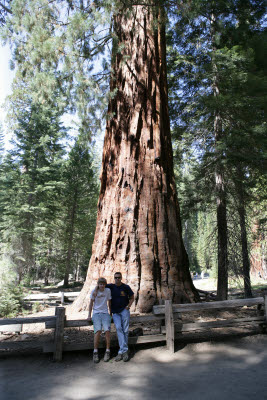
(6, 75)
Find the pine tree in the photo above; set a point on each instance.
(211, 65)
(80, 202)
(37, 153)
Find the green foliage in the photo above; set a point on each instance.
(36, 307)
(10, 300)
(11, 294)
(217, 46)
(63, 47)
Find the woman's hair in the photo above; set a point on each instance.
(100, 280)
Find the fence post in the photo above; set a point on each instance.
(59, 332)
(62, 298)
(169, 323)
(161, 321)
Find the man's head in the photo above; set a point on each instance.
(117, 278)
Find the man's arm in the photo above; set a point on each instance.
(131, 300)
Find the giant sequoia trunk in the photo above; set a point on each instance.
(138, 228)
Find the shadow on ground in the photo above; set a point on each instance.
(212, 370)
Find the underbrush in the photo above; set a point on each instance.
(11, 299)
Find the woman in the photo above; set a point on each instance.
(100, 303)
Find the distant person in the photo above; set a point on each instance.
(100, 303)
(122, 299)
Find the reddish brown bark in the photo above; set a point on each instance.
(138, 223)
(258, 252)
(239, 179)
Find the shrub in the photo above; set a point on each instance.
(11, 294)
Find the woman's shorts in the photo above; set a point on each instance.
(101, 321)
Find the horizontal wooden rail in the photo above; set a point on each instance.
(14, 328)
(27, 320)
(21, 345)
(75, 323)
(210, 305)
(195, 326)
(51, 296)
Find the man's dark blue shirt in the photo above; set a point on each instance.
(120, 296)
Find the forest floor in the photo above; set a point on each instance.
(231, 368)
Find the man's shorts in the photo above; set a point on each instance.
(101, 321)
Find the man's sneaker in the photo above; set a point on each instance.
(107, 356)
(125, 356)
(119, 357)
(96, 357)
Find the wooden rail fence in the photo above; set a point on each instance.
(45, 297)
(168, 313)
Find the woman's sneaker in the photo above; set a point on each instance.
(107, 356)
(96, 357)
(125, 356)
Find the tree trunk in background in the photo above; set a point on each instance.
(70, 232)
(242, 219)
(46, 276)
(258, 251)
(222, 283)
(245, 257)
(138, 228)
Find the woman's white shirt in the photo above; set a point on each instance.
(101, 299)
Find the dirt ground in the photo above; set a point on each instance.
(214, 370)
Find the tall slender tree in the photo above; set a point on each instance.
(80, 201)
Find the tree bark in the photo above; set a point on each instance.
(258, 252)
(222, 283)
(70, 232)
(138, 228)
(244, 241)
(47, 272)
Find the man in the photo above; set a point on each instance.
(121, 301)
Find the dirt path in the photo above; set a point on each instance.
(234, 368)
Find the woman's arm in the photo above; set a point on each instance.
(90, 309)
(109, 307)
